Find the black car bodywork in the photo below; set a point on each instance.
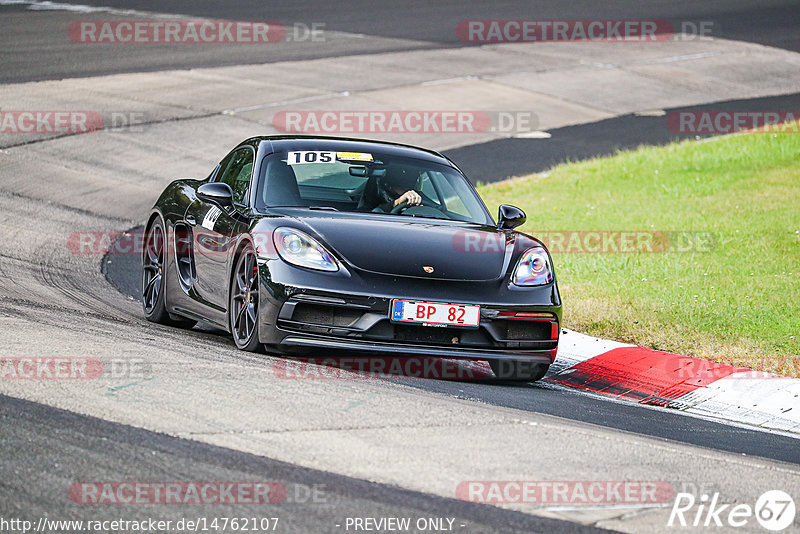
(211, 255)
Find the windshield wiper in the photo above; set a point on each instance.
(323, 208)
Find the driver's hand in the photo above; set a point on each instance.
(412, 197)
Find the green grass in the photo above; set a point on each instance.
(735, 300)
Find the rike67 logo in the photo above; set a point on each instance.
(774, 510)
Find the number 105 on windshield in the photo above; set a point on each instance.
(435, 313)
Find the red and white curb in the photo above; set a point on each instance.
(692, 385)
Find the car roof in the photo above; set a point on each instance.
(346, 144)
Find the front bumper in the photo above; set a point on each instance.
(306, 312)
(304, 345)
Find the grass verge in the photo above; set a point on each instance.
(711, 238)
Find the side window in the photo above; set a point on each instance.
(426, 187)
(450, 196)
(217, 172)
(237, 174)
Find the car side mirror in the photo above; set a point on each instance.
(509, 217)
(217, 193)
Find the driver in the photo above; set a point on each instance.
(396, 187)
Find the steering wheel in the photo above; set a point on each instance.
(404, 205)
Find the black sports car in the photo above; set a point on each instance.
(307, 244)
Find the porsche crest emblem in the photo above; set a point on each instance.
(428, 269)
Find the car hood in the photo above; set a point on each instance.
(398, 247)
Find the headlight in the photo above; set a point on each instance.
(300, 249)
(533, 269)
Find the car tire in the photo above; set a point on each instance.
(154, 279)
(518, 370)
(243, 302)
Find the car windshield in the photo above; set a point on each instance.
(369, 183)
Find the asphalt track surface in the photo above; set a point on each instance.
(123, 271)
(43, 53)
(90, 448)
(46, 449)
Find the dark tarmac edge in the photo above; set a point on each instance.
(500, 159)
(669, 425)
(92, 449)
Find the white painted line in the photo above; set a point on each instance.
(449, 80)
(286, 102)
(533, 135)
(673, 59)
(43, 5)
(669, 59)
(631, 506)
